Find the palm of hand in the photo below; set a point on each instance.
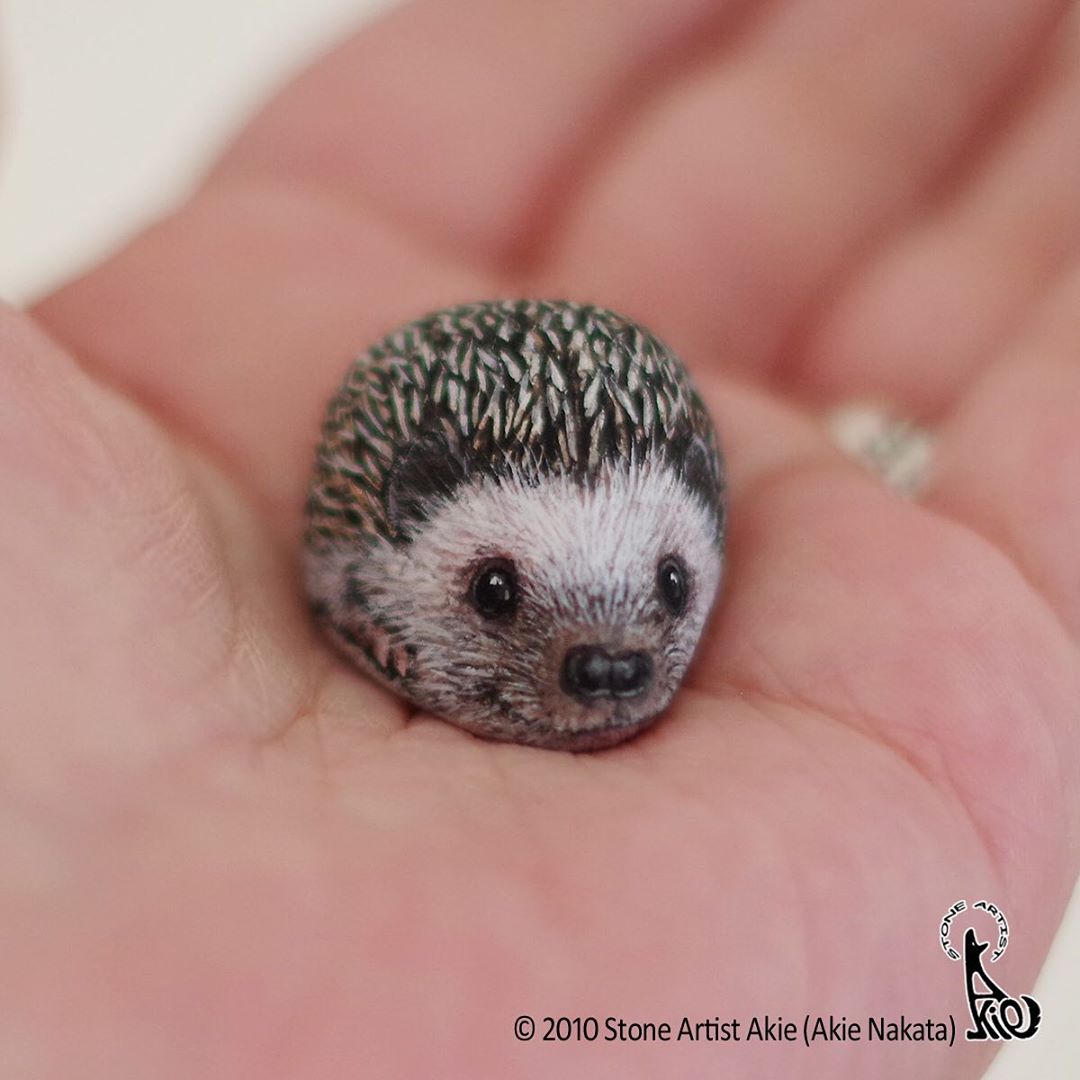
(259, 861)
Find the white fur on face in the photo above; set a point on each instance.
(586, 559)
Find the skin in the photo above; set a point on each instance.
(227, 854)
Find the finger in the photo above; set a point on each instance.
(126, 632)
(235, 319)
(460, 120)
(748, 189)
(762, 437)
(934, 308)
(1010, 453)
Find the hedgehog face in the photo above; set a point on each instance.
(544, 611)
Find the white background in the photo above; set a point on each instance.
(113, 106)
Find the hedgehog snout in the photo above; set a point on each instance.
(590, 672)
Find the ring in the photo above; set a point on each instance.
(892, 447)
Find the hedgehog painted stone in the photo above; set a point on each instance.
(516, 521)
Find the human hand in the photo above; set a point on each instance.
(226, 853)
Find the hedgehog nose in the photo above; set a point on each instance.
(590, 672)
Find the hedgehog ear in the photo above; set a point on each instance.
(426, 470)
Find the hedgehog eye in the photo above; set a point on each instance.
(673, 582)
(494, 591)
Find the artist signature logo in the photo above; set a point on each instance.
(994, 1014)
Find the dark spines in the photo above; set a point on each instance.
(424, 470)
(700, 468)
(533, 386)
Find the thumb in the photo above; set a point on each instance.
(120, 607)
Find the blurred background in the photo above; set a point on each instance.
(111, 109)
